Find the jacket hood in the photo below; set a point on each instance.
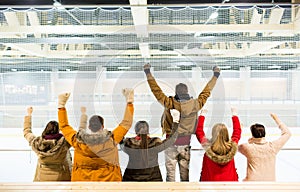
(49, 147)
(188, 107)
(93, 138)
(135, 143)
(182, 97)
(222, 159)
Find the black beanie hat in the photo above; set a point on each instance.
(96, 123)
(181, 89)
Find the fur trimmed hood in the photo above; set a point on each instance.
(222, 159)
(135, 143)
(93, 138)
(51, 147)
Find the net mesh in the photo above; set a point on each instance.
(95, 61)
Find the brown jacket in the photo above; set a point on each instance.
(96, 154)
(53, 164)
(171, 103)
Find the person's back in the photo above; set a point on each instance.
(218, 161)
(179, 153)
(96, 152)
(260, 154)
(143, 153)
(261, 162)
(142, 164)
(54, 158)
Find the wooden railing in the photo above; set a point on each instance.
(150, 186)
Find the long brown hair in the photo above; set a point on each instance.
(220, 142)
(142, 129)
(51, 128)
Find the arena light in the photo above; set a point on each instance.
(145, 50)
(173, 67)
(214, 15)
(274, 67)
(123, 67)
(58, 5)
(140, 17)
(225, 67)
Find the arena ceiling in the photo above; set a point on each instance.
(171, 35)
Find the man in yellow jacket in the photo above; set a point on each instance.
(96, 154)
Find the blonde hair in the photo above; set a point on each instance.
(220, 142)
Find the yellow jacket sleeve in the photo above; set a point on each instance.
(125, 125)
(68, 132)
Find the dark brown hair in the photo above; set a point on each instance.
(51, 128)
(96, 123)
(258, 130)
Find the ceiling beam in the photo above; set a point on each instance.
(178, 53)
(131, 41)
(129, 29)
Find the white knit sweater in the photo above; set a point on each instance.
(261, 156)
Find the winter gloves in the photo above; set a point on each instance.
(29, 111)
(234, 111)
(83, 110)
(62, 99)
(175, 115)
(203, 112)
(216, 71)
(129, 94)
(147, 67)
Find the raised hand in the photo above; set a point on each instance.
(147, 67)
(83, 109)
(234, 111)
(129, 94)
(203, 112)
(276, 119)
(216, 71)
(62, 99)
(29, 111)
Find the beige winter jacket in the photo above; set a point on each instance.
(55, 163)
(192, 106)
(261, 156)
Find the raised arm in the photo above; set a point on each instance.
(156, 90)
(285, 133)
(236, 134)
(28, 135)
(203, 96)
(83, 119)
(68, 132)
(120, 131)
(200, 126)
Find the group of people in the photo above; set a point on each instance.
(96, 149)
